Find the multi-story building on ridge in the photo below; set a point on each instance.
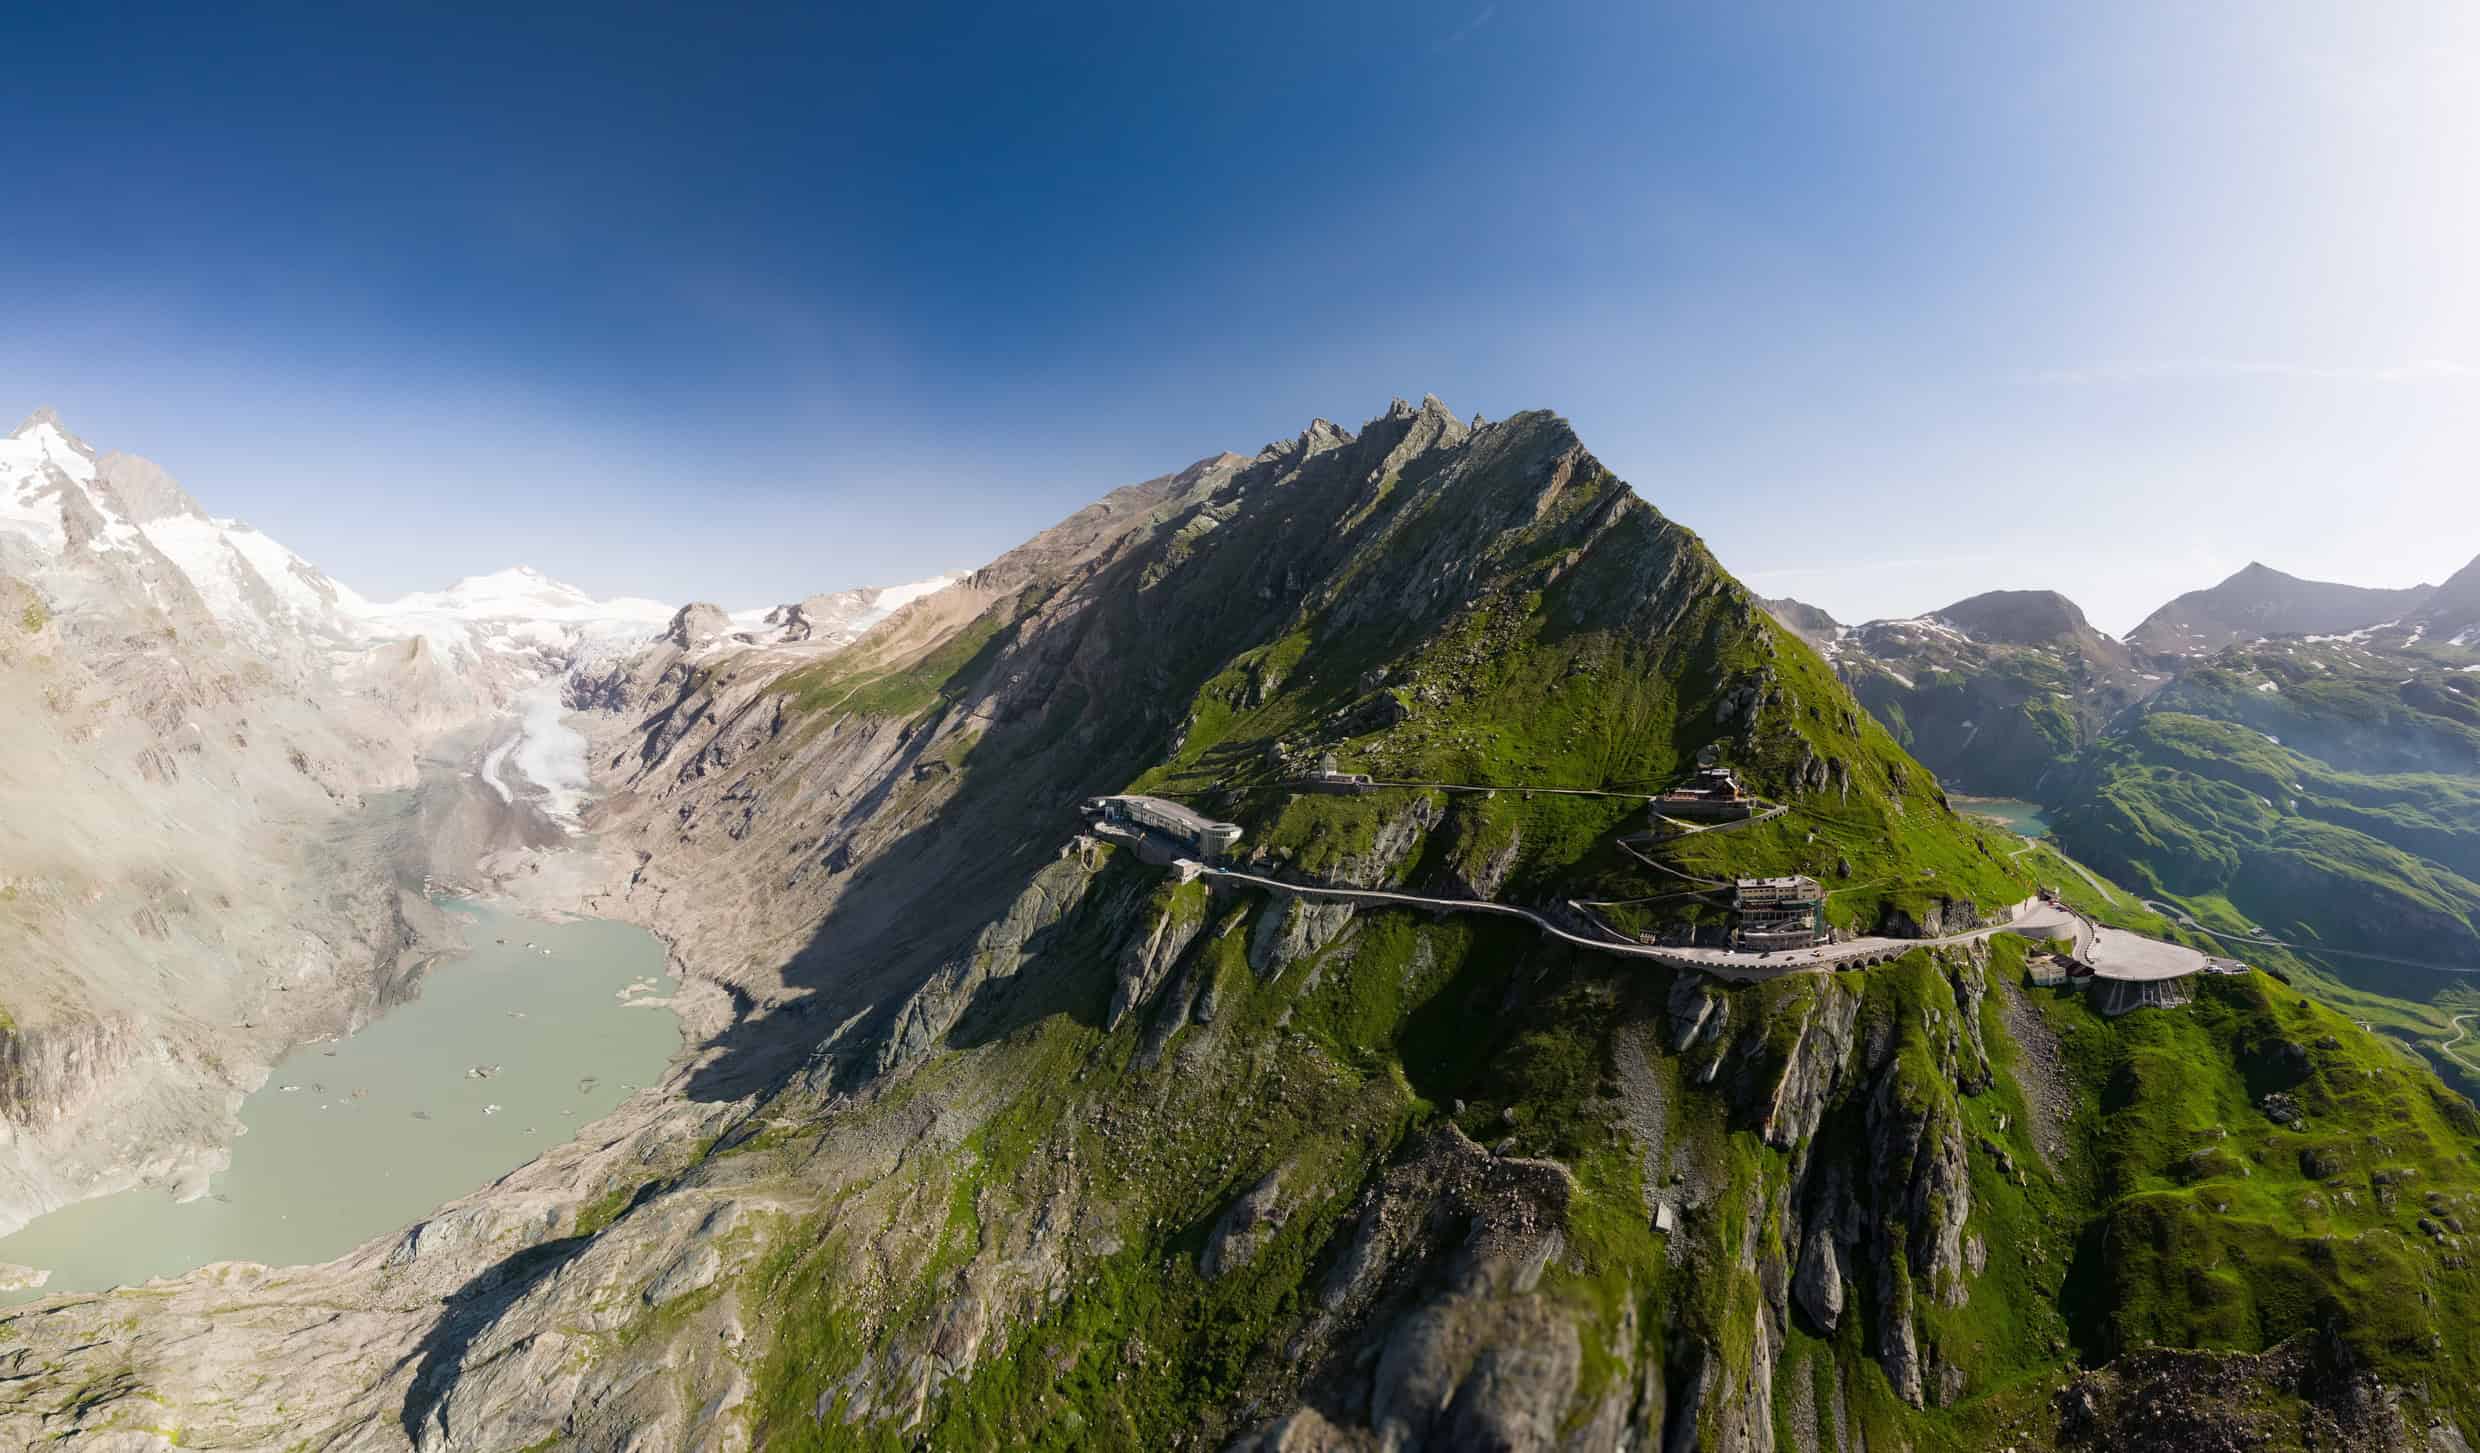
(1776, 913)
(1714, 792)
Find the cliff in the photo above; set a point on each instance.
(999, 1135)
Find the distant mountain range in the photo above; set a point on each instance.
(1959, 679)
(2261, 602)
(1993, 692)
(2288, 753)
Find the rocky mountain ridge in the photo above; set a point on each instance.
(2452, 611)
(998, 1134)
(2260, 601)
(1995, 693)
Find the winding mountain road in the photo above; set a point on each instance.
(1638, 796)
(2461, 1033)
(2031, 918)
(2108, 893)
(1691, 829)
(1659, 866)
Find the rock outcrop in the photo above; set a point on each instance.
(697, 624)
(992, 1126)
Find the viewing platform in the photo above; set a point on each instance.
(1185, 826)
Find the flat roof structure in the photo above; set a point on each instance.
(1164, 815)
(1170, 813)
(2133, 958)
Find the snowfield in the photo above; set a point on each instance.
(518, 615)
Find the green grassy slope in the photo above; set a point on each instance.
(1047, 1256)
(2184, 805)
(2266, 1170)
(2325, 792)
(2177, 1215)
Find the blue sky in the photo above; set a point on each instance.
(1892, 306)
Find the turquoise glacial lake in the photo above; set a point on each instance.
(507, 1050)
(2014, 813)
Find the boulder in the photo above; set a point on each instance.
(1818, 1286)
(1245, 1227)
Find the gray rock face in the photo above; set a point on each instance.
(1806, 621)
(1245, 1227)
(1819, 1056)
(698, 624)
(2452, 610)
(1303, 1430)
(1291, 928)
(1445, 1341)
(835, 618)
(1147, 961)
(692, 1270)
(792, 622)
(998, 951)
(1819, 1285)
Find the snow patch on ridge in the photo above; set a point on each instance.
(492, 762)
(896, 597)
(1931, 625)
(833, 619)
(251, 583)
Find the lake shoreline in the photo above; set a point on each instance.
(505, 1049)
(2025, 819)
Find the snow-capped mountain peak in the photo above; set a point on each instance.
(70, 516)
(42, 436)
(518, 592)
(519, 616)
(34, 459)
(84, 526)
